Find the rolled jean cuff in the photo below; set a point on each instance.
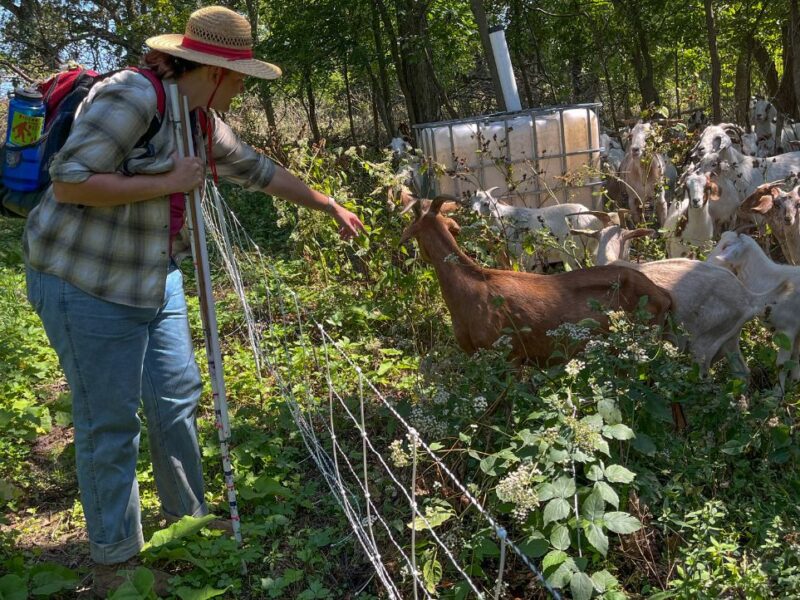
(201, 511)
(118, 552)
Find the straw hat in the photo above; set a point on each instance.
(219, 37)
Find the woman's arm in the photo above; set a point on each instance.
(113, 189)
(285, 185)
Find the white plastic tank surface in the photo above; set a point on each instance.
(482, 152)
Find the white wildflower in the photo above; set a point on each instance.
(398, 455)
(574, 367)
(517, 488)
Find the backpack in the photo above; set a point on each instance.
(62, 95)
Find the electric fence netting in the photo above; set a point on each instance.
(334, 405)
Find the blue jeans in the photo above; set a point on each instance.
(115, 357)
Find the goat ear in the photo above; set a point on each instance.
(412, 204)
(763, 206)
(436, 203)
(585, 232)
(637, 233)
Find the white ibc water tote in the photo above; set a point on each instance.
(535, 157)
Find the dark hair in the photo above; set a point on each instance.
(167, 66)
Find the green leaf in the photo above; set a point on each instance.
(435, 515)
(49, 579)
(556, 509)
(562, 574)
(644, 444)
(262, 487)
(595, 473)
(618, 432)
(185, 527)
(553, 559)
(619, 474)
(559, 537)
(734, 447)
(604, 580)
(581, 586)
(607, 493)
(608, 409)
(204, 593)
(564, 487)
(138, 587)
(622, 522)
(594, 506)
(535, 546)
(545, 491)
(782, 341)
(13, 587)
(596, 537)
(431, 574)
(487, 465)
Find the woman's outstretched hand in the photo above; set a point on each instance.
(350, 225)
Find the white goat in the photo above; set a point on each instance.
(517, 221)
(710, 303)
(741, 255)
(765, 116)
(646, 181)
(612, 153)
(697, 120)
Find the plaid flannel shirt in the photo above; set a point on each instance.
(120, 253)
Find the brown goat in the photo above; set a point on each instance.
(486, 303)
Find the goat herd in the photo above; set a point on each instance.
(721, 188)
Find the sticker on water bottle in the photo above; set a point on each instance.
(25, 129)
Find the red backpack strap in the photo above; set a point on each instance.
(207, 127)
(158, 86)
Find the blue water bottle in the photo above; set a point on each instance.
(25, 128)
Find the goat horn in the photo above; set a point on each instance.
(743, 228)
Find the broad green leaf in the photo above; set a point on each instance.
(602, 446)
(596, 537)
(562, 574)
(185, 527)
(618, 432)
(734, 447)
(262, 487)
(564, 487)
(204, 593)
(593, 506)
(595, 421)
(556, 509)
(559, 537)
(604, 580)
(581, 586)
(595, 473)
(431, 574)
(622, 522)
(782, 341)
(553, 559)
(535, 546)
(13, 587)
(619, 474)
(607, 493)
(608, 409)
(644, 444)
(435, 515)
(50, 579)
(138, 587)
(545, 491)
(488, 465)
(558, 456)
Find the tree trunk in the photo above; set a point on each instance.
(767, 68)
(716, 69)
(640, 52)
(794, 44)
(741, 89)
(483, 28)
(264, 94)
(382, 91)
(311, 110)
(414, 68)
(346, 76)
